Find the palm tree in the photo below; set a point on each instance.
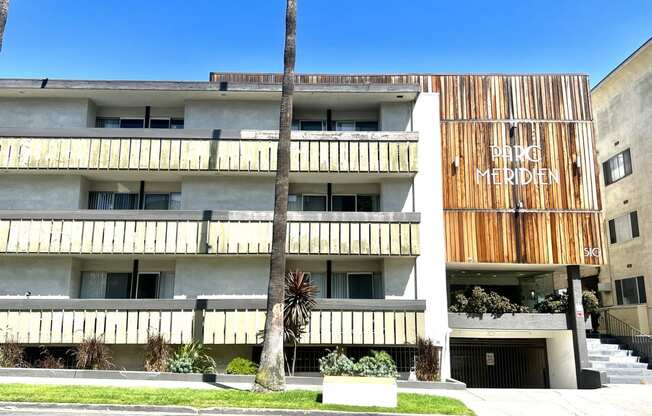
(300, 295)
(271, 373)
(4, 10)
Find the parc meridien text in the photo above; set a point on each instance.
(517, 176)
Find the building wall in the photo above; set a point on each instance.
(45, 112)
(622, 106)
(396, 195)
(228, 193)
(42, 276)
(396, 116)
(41, 192)
(239, 115)
(222, 278)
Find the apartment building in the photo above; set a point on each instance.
(135, 207)
(623, 107)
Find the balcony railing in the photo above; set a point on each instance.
(232, 321)
(195, 150)
(206, 233)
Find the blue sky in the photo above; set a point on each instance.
(177, 40)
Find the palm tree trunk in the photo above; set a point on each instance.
(271, 372)
(4, 10)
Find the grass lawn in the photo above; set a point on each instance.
(294, 399)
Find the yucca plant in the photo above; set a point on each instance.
(300, 296)
(93, 354)
(157, 353)
(427, 364)
(12, 355)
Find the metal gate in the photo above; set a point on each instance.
(500, 363)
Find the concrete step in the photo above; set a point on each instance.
(611, 353)
(629, 379)
(632, 371)
(606, 365)
(614, 359)
(603, 347)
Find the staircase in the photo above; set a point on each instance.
(619, 365)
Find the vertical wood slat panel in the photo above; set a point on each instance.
(340, 155)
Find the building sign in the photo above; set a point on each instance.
(516, 176)
(592, 252)
(491, 360)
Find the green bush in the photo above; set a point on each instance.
(558, 303)
(482, 302)
(191, 358)
(378, 364)
(241, 365)
(336, 363)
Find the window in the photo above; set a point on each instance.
(159, 123)
(294, 202)
(118, 285)
(107, 122)
(157, 201)
(617, 167)
(343, 203)
(314, 202)
(366, 126)
(311, 125)
(368, 203)
(147, 285)
(345, 125)
(631, 291)
(623, 228)
(132, 123)
(360, 285)
(112, 200)
(166, 123)
(175, 200)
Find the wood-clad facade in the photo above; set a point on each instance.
(520, 174)
(519, 166)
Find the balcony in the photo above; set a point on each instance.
(203, 150)
(212, 322)
(90, 232)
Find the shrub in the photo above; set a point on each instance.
(482, 302)
(157, 353)
(558, 303)
(12, 355)
(427, 362)
(378, 364)
(93, 354)
(336, 363)
(241, 365)
(49, 361)
(191, 358)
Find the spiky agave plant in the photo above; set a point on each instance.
(300, 295)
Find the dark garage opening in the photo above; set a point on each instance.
(500, 363)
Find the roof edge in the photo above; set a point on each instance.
(623, 63)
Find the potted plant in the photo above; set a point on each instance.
(369, 382)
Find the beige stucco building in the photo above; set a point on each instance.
(622, 104)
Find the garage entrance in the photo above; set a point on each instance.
(500, 363)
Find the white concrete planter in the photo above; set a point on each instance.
(360, 391)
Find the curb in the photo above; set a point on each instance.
(178, 410)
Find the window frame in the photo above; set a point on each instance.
(634, 228)
(325, 196)
(158, 284)
(348, 277)
(627, 167)
(355, 201)
(641, 295)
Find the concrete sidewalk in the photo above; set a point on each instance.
(612, 400)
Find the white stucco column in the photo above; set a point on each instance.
(429, 201)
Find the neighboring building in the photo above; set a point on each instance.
(622, 104)
(132, 207)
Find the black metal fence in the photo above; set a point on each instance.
(627, 335)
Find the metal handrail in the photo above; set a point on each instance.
(627, 334)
